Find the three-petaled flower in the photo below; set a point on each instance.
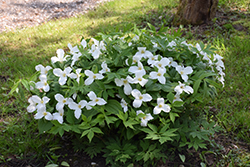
(161, 106)
(184, 71)
(91, 77)
(139, 98)
(144, 120)
(182, 87)
(62, 74)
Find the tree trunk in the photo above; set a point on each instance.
(195, 12)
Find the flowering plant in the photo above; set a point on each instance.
(141, 86)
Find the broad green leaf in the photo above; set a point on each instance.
(182, 157)
(44, 125)
(113, 106)
(90, 135)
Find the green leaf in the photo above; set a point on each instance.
(170, 97)
(65, 164)
(172, 116)
(90, 135)
(196, 86)
(153, 127)
(96, 130)
(178, 103)
(44, 125)
(182, 157)
(113, 106)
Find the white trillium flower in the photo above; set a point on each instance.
(172, 44)
(43, 70)
(137, 69)
(104, 68)
(59, 116)
(62, 74)
(182, 87)
(152, 59)
(60, 56)
(77, 107)
(145, 119)
(125, 82)
(42, 84)
(61, 101)
(75, 58)
(76, 75)
(41, 103)
(43, 113)
(143, 53)
(32, 107)
(135, 59)
(124, 105)
(158, 75)
(177, 98)
(95, 51)
(161, 106)
(184, 71)
(92, 77)
(172, 63)
(139, 79)
(139, 98)
(95, 100)
(162, 63)
(96, 48)
(73, 50)
(84, 43)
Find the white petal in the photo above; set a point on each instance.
(118, 82)
(54, 59)
(92, 95)
(136, 93)
(78, 113)
(67, 70)
(83, 43)
(57, 72)
(188, 89)
(72, 76)
(101, 101)
(48, 116)
(99, 76)
(89, 73)
(59, 97)
(60, 53)
(83, 103)
(46, 99)
(46, 88)
(88, 81)
(36, 99)
(166, 108)
(184, 77)
(127, 89)
(188, 70)
(162, 79)
(62, 80)
(160, 101)
(39, 67)
(137, 103)
(153, 75)
(157, 110)
(31, 108)
(39, 115)
(146, 97)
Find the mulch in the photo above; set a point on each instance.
(18, 14)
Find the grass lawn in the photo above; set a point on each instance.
(21, 50)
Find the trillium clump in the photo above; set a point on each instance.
(136, 80)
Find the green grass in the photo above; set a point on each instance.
(22, 50)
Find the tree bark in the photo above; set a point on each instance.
(195, 12)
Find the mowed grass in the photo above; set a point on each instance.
(21, 50)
